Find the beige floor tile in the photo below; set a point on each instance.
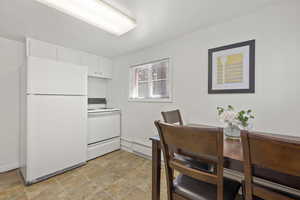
(101, 195)
(118, 189)
(9, 180)
(45, 189)
(15, 193)
(137, 194)
(101, 178)
(116, 176)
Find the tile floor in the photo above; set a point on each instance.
(116, 176)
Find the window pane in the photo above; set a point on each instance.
(150, 81)
(143, 74)
(143, 90)
(159, 71)
(160, 89)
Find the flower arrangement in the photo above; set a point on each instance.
(230, 117)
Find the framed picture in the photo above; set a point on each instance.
(231, 68)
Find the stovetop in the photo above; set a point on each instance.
(99, 105)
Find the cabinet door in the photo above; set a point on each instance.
(100, 67)
(41, 49)
(106, 67)
(51, 77)
(91, 61)
(68, 55)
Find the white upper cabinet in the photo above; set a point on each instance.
(106, 65)
(41, 72)
(68, 55)
(99, 67)
(41, 49)
(91, 61)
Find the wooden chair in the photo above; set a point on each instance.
(273, 153)
(192, 183)
(174, 117)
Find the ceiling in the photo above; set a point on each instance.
(158, 21)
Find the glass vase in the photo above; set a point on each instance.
(232, 131)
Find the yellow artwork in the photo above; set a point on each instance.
(230, 69)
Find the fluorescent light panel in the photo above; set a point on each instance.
(96, 13)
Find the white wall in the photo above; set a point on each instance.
(276, 100)
(12, 57)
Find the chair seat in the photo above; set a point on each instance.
(193, 189)
(292, 196)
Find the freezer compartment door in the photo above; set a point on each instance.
(57, 132)
(51, 77)
(103, 126)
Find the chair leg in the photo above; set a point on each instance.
(172, 172)
(243, 190)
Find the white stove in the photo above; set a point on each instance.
(103, 128)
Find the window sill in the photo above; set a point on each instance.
(151, 100)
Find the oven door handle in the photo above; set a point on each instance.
(94, 114)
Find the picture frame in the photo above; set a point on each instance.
(231, 68)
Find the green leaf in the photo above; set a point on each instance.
(220, 110)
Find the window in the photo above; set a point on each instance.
(150, 81)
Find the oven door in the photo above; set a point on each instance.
(103, 126)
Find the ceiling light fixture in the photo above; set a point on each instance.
(95, 12)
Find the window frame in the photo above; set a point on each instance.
(169, 84)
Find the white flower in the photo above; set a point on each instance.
(241, 119)
(228, 116)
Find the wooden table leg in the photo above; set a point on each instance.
(156, 166)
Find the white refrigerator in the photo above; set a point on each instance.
(54, 118)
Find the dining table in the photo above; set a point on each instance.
(233, 160)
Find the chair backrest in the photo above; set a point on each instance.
(202, 143)
(268, 151)
(172, 117)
